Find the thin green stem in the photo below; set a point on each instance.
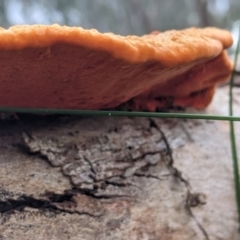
(232, 133)
(120, 113)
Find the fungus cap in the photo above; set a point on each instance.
(73, 68)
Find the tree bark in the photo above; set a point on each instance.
(68, 177)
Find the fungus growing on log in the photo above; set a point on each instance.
(72, 68)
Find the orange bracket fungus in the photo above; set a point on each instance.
(72, 68)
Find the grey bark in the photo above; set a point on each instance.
(66, 177)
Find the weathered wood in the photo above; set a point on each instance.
(117, 178)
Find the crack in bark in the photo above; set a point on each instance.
(148, 176)
(188, 208)
(177, 174)
(12, 204)
(9, 206)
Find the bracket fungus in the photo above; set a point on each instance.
(72, 68)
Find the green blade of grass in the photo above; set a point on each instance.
(120, 113)
(232, 133)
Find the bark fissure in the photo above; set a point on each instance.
(10, 206)
(178, 176)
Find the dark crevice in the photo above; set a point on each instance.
(49, 202)
(146, 176)
(90, 164)
(58, 198)
(117, 184)
(22, 126)
(9, 206)
(22, 148)
(20, 204)
(188, 208)
(92, 194)
(177, 174)
(169, 150)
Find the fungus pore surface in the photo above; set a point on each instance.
(72, 68)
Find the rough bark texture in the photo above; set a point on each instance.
(117, 178)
